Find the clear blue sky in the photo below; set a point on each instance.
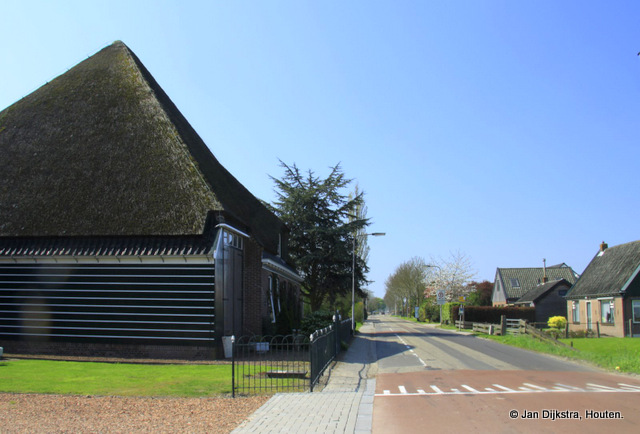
(506, 130)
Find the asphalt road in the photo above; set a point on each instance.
(432, 380)
(404, 346)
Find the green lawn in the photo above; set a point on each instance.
(621, 354)
(618, 354)
(84, 378)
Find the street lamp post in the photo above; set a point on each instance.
(440, 268)
(353, 279)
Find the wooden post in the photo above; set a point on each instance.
(598, 328)
(503, 325)
(630, 328)
(566, 330)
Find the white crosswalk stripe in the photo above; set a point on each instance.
(465, 389)
(437, 389)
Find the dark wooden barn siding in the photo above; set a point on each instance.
(141, 303)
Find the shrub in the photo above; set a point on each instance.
(557, 322)
(316, 321)
(359, 314)
(429, 311)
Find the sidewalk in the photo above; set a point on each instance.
(345, 405)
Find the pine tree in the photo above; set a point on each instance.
(322, 221)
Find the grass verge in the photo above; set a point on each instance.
(90, 378)
(616, 354)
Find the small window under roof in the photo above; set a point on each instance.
(515, 283)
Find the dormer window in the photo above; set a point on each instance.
(515, 283)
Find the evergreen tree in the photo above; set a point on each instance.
(322, 221)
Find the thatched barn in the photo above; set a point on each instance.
(120, 232)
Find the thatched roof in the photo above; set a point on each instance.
(518, 281)
(102, 151)
(609, 273)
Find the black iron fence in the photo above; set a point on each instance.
(293, 363)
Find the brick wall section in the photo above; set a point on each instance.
(110, 350)
(619, 328)
(253, 293)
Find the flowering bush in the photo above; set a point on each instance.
(557, 322)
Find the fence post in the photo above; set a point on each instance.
(598, 327)
(233, 367)
(336, 328)
(503, 325)
(311, 363)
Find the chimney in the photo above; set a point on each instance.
(545, 279)
(603, 246)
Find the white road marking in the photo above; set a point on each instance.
(502, 387)
(599, 387)
(532, 388)
(411, 350)
(470, 389)
(571, 388)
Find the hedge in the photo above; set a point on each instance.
(492, 314)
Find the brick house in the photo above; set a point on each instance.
(120, 232)
(607, 295)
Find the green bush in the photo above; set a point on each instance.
(429, 311)
(557, 322)
(359, 314)
(316, 321)
(554, 333)
(447, 312)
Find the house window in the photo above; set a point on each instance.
(606, 311)
(278, 306)
(636, 311)
(233, 240)
(562, 292)
(272, 311)
(515, 283)
(575, 311)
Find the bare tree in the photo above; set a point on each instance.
(407, 284)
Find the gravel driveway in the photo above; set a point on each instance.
(32, 413)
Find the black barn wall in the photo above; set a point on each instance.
(127, 305)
